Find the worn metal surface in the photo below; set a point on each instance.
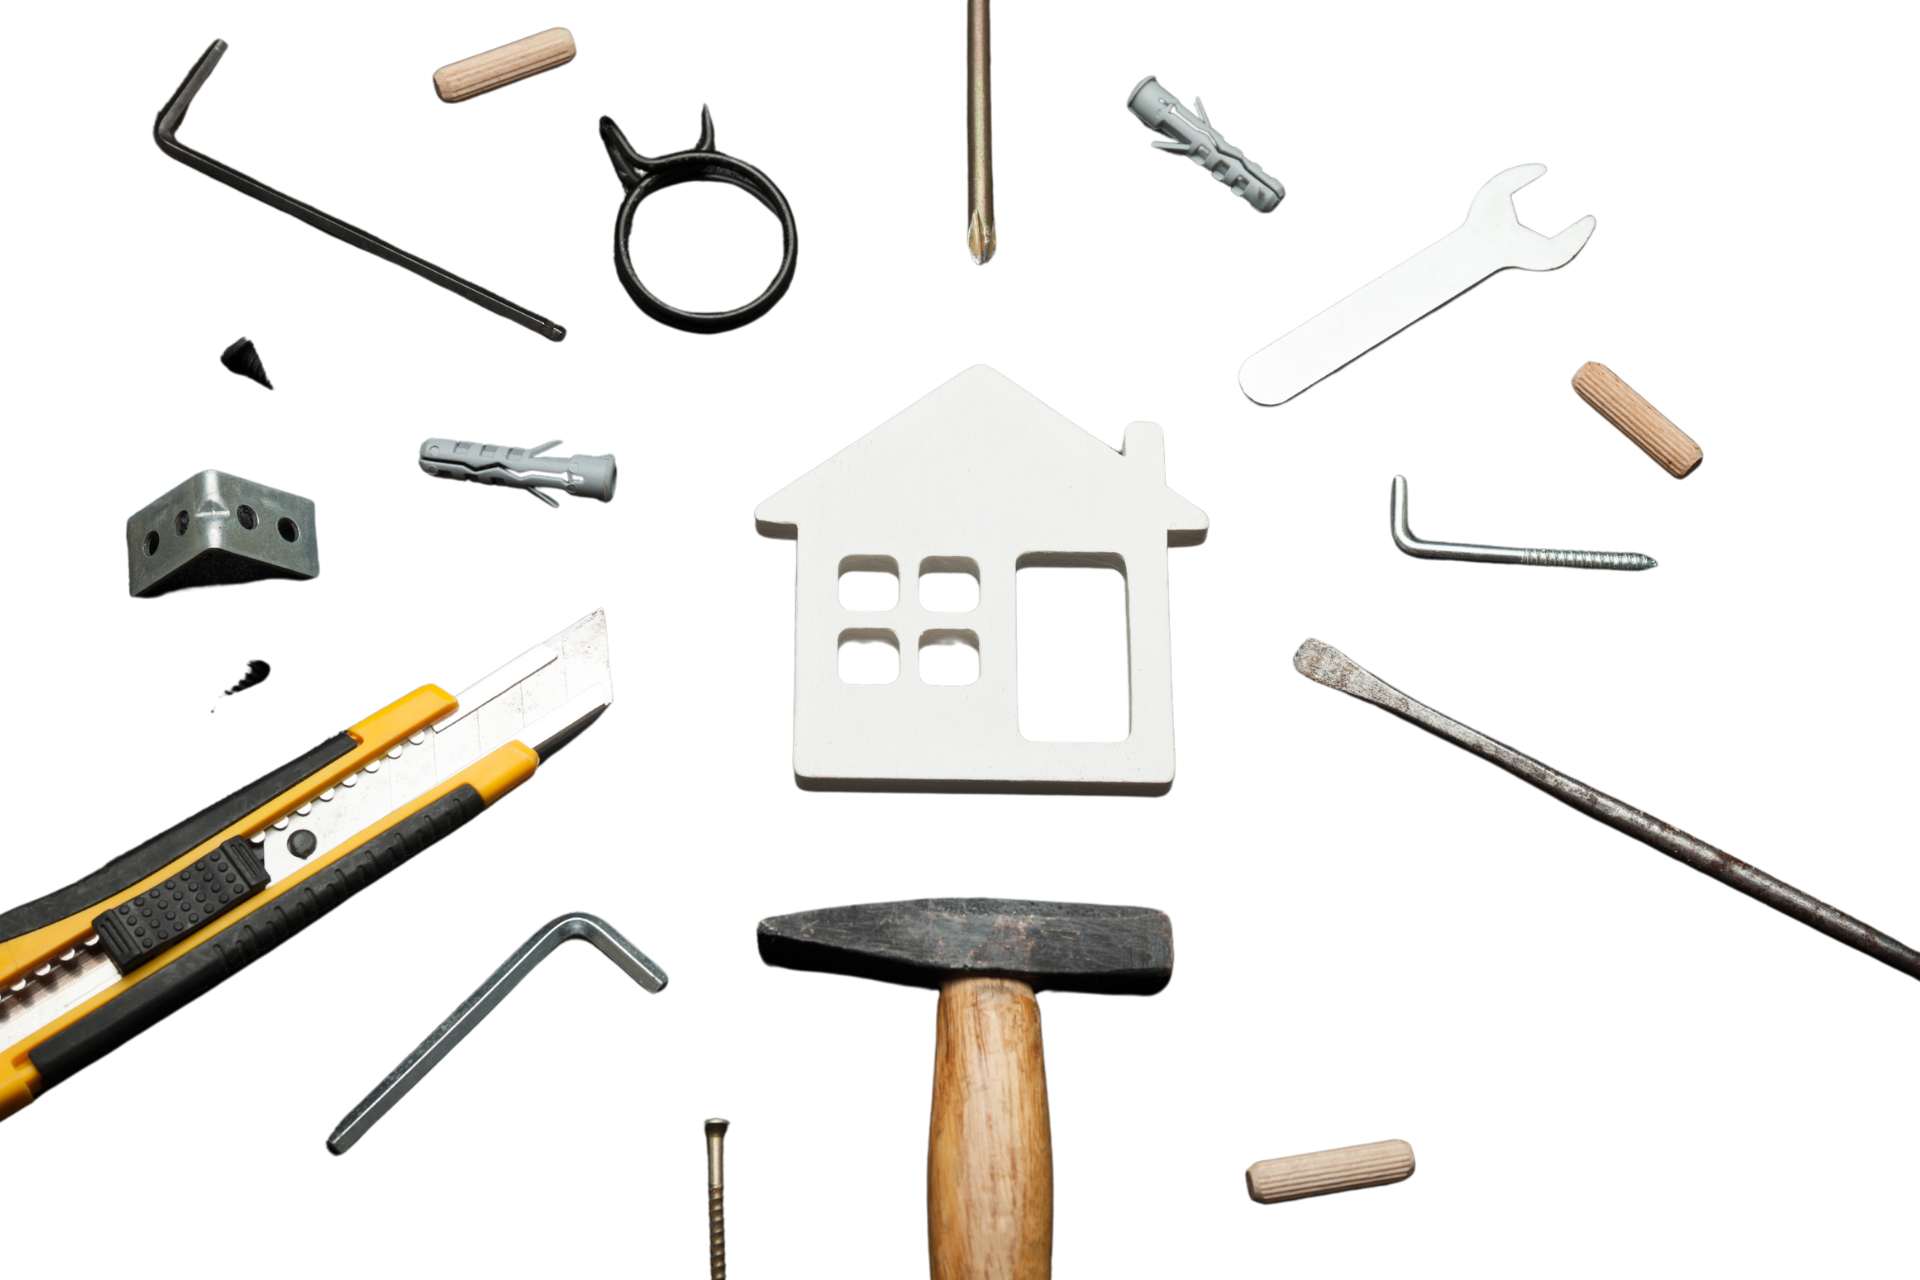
(576, 924)
(1059, 946)
(1403, 538)
(214, 529)
(1328, 666)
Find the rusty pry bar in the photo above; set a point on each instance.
(1328, 666)
(167, 123)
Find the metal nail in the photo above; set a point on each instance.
(716, 1208)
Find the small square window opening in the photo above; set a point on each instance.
(949, 584)
(949, 657)
(869, 584)
(869, 655)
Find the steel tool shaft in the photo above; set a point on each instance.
(1327, 665)
(980, 234)
(167, 125)
(575, 924)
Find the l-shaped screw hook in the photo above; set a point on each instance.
(1403, 538)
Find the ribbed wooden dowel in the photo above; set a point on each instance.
(1320, 1173)
(458, 81)
(1639, 421)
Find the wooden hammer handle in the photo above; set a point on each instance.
(990, 1150)
(1320, 1173)
(1639, 421)
(470, 77)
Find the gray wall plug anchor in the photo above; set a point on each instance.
(584, 475)
(1195, 137)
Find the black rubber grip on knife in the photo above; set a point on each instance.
(239, 944)
(143, 926)
(143, 860)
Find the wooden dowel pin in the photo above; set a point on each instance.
(470, 77)
(1321, 1173)
(1639, 421)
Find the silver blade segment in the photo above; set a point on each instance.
(542, 697)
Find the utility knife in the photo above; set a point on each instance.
(88, 967)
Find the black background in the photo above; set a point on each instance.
(1596, 1052)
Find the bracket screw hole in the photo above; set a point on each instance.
(247, 517)
(151, 542)
(288, 529)
(179, 524)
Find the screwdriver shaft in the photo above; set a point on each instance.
(980, 234)
(1327, 665)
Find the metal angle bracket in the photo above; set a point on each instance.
(214, 528)
(575, 924)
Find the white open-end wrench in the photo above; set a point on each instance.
(1491, 240)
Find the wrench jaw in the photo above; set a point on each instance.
(1493, 218)
(1550, 253)
(1492, 206)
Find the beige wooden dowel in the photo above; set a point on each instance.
(1320, 1173)
(458, 81)
(1639, 421)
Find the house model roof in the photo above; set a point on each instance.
(977, 453)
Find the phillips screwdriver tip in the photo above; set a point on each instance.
(980, 239)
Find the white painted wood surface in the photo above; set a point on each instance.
(977, 471)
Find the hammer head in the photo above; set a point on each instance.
(1059, 946)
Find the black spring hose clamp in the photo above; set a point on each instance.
(644, 175)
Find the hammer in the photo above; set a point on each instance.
(989, 1151)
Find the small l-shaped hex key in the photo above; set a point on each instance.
(575, 924)
(167, 124)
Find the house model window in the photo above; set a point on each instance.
(906, 672)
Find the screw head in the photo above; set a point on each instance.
(716, 1128)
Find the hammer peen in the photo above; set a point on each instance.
(989, 1148)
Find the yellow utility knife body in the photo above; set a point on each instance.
(86, 968)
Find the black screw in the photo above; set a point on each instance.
(242, 361)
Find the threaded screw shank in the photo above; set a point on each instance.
(717, 1232)
(716, 1200)
(1403, 537)
(1586, 559)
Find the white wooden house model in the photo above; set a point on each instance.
(978, 477)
